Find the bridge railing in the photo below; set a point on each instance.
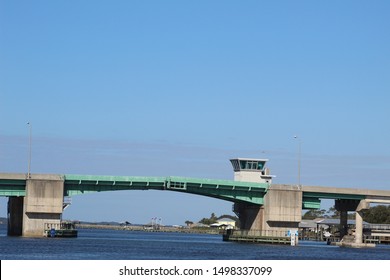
(377, 226)
(49, 226)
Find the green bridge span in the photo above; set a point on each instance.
(234, 191)
(222, 189)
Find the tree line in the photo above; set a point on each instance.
(212, 220)
(379, 214)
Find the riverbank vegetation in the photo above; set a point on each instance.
(379, 214)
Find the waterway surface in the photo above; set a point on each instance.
(93, 244)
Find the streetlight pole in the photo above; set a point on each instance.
(29, 156)
(299, 160)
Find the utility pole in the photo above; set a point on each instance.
(299, 160)
(29, 153)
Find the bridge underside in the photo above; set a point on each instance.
(312, 200)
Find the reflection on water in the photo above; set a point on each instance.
(121, 245)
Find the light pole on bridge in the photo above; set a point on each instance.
(299, 159)
(29, 153)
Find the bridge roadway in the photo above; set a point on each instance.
(14, 184)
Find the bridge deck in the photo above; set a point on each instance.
(222, 189)
(13, 184)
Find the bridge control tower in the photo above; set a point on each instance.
(281, 209)
(251, 170)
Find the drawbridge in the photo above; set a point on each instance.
(35, 200)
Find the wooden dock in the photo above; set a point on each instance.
(256, 237)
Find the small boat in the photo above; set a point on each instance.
(65, 229)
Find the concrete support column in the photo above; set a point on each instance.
(345, 205)
(343, 223)
(364, 204)
(251, 216)
(43, 203)
(359, 228)
(283, 209)
(15, 216)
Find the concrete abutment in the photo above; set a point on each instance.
(43, 204)
(280, 214)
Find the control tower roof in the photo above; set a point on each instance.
(251, 159)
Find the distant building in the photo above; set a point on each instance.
(199, 225)
(225, 223)
(321, 228)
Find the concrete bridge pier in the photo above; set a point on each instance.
(43, 204)
(357, 206)
(15, 215)
(363, 204)
(343, 206)
(281, 212)
(251, 216)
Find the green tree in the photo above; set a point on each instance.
(333, 213)
(213, 219)
(234, 218)
(314, 213)
(377, 215)
(208, 221)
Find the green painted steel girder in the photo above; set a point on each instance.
(318, 195)
(221, 189)
(12, 187)
(312, 200)
(82, 184)
(12, 190)
(311, 203)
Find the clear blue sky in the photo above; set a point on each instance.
(159, 88)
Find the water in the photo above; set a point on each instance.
(92, 244)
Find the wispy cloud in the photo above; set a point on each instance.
(164, 158)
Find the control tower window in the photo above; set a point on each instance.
(235, 164)
(251, 165)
